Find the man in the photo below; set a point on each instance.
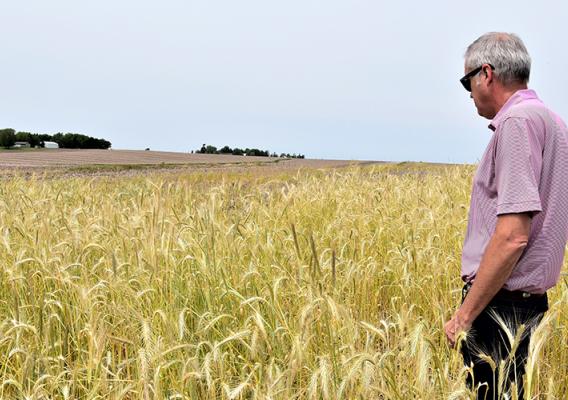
(518, 218)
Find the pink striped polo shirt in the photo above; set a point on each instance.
(523, 169)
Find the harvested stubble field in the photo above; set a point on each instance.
(68, 162)
(68, 157)
(307, 285)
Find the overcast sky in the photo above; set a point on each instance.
(357, 79)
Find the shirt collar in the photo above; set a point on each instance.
(518, 97)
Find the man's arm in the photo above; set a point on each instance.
(500, 258)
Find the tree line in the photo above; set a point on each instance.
(9, 137)
(208, 149)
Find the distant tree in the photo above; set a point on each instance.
(65, 140)
(7, 137)
(208, 149)
(211, 150)
(22, 136)
(78, 141)
(257, 152)
(32, 138)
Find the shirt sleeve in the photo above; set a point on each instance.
(518, 163)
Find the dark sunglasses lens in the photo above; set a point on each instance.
(466, 80)
(466, 84)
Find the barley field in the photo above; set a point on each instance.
(317, 284)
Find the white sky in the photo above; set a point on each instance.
(356, 79)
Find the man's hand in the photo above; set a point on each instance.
(454, 326)
(502, 253)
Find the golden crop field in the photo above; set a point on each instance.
(321, 284)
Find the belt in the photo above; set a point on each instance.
(504, 294)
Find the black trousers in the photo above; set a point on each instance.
(507, 321)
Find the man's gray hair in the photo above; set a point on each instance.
(506, 52)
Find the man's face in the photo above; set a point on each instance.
(480, 94)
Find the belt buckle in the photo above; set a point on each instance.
(526, 295)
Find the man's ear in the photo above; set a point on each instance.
(488, 71)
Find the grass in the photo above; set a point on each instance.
(310, 285)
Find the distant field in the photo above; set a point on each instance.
(67, 162)
(74, 158)
(67, 157)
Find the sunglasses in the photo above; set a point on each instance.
(466, 80)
